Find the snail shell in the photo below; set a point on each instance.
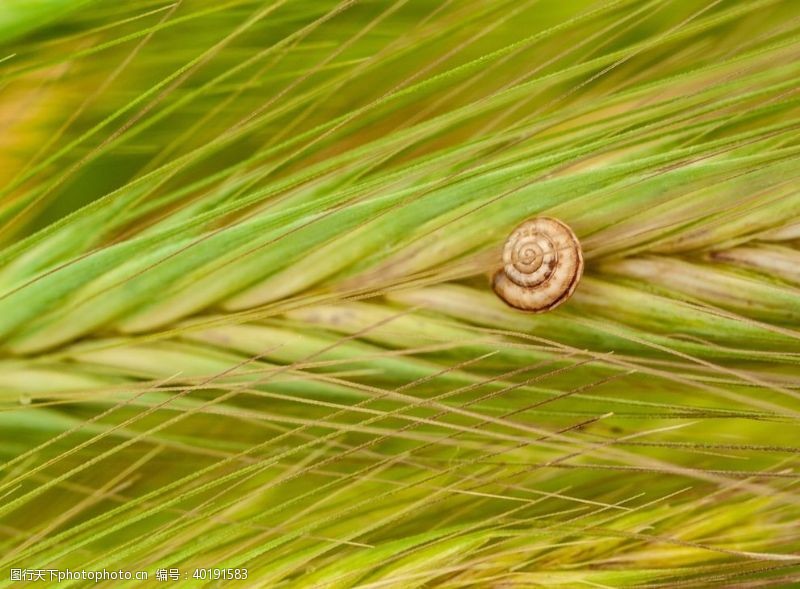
(542, 264)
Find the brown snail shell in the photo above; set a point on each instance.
(542, 265)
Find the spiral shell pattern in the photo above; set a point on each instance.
(542, 265)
